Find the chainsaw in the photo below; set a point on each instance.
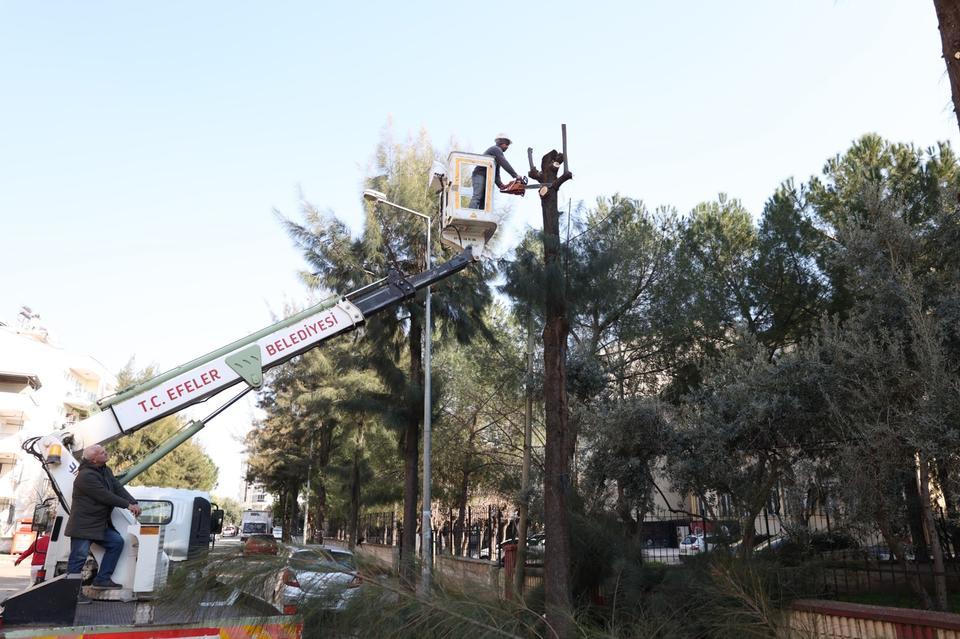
(519, 187)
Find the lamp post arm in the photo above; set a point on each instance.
(403, 208)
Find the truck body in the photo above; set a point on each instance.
(255, 522)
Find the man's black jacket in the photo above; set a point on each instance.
(96, 492)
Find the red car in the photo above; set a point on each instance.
(260, 545)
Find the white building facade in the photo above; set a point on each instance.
(43, 387)
(253, 496)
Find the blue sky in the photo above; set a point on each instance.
(143, 147)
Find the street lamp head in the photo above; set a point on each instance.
(374, 196)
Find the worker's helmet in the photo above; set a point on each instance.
(502, 137)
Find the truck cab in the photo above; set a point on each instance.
(187, 516)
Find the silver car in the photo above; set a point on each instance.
(325, 578)
(691, 545)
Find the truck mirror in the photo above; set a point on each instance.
(41, 517)
(216, 521)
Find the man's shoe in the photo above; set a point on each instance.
(105, 585)
(83, 599)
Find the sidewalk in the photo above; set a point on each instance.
(13, 579)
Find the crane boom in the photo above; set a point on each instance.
(246, 360)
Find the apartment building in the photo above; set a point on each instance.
(43, 387)
(252, 496)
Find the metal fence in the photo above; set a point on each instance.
(479, 533)
(860, 571)
(382, 528)
(827, 563)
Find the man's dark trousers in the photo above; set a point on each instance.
(79, 549)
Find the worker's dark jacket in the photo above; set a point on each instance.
(96, 492)
(499, 160)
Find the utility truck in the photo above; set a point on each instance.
(143, 564)
(177, 525)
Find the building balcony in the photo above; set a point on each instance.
(82, 400)
(8, 488)
(86, 371)
(14, 407)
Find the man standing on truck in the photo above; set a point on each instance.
(96, 492)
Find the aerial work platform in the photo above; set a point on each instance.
(466, 195)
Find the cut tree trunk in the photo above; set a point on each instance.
(557, 479)
(948, 17)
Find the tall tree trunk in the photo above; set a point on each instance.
(900, 555)
(940, 578)
(949, 505)
(521, 566)
(290, 512)
(354, 524)
(322, 462)
(948, 16)
(458, 531)
(557, 478)
(625, 511)
(915, 514)
(411, 455)
(320, 499)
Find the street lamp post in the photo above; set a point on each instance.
(426, 532)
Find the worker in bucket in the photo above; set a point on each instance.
(500, 144)
(96, 492)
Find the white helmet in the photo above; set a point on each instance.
(502, 136)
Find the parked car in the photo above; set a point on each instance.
(229, 531)
(692, 545)
(771, 546)
(278, 532)
(535, 547)
(260, 545)
(878, 552)
(322, 578)
(793, 548)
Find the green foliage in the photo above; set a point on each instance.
(764, 414)
(619, 265)
(232, 510)
(626, 440)
(812, 352)
(391, 239)
(478, 429)
(187, 466)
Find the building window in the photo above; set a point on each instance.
(725, 505)
(773, 504)
(8, 506)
